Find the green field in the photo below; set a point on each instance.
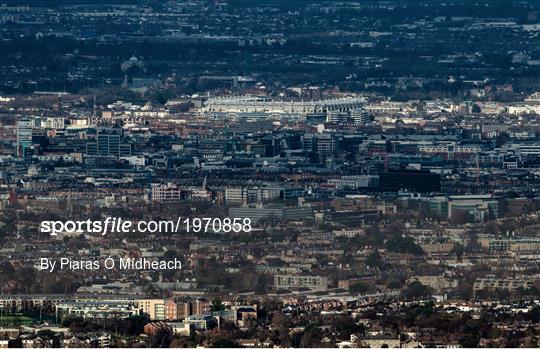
(15, 319)
(23, 319)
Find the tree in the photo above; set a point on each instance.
(262, 284)
(281, 325)
(217, 305)
(134, 325)
(229, 326)
(180, 342)
(458, 250)
(400, 244)
(162, 338)
(153, 290)
(374, 259)
(344, 327)
(470, 340)
(360, 287)
(417, 290)
(225, 343)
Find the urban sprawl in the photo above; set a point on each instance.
(385, 156)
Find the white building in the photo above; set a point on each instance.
(314, 283)
(166, 193)
(354, 182)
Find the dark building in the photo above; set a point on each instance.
(108, 142)
(420, 181)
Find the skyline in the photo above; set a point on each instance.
(235, 173)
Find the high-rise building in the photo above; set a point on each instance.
(337, 117)
(360, 117)
(421, 181)
(155, 308)
(108, 142)
(24, 136)
(322, 143)
(251, 195)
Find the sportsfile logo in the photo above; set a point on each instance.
(110, 224)
(119, 225)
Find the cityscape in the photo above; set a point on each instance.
(270, 173)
